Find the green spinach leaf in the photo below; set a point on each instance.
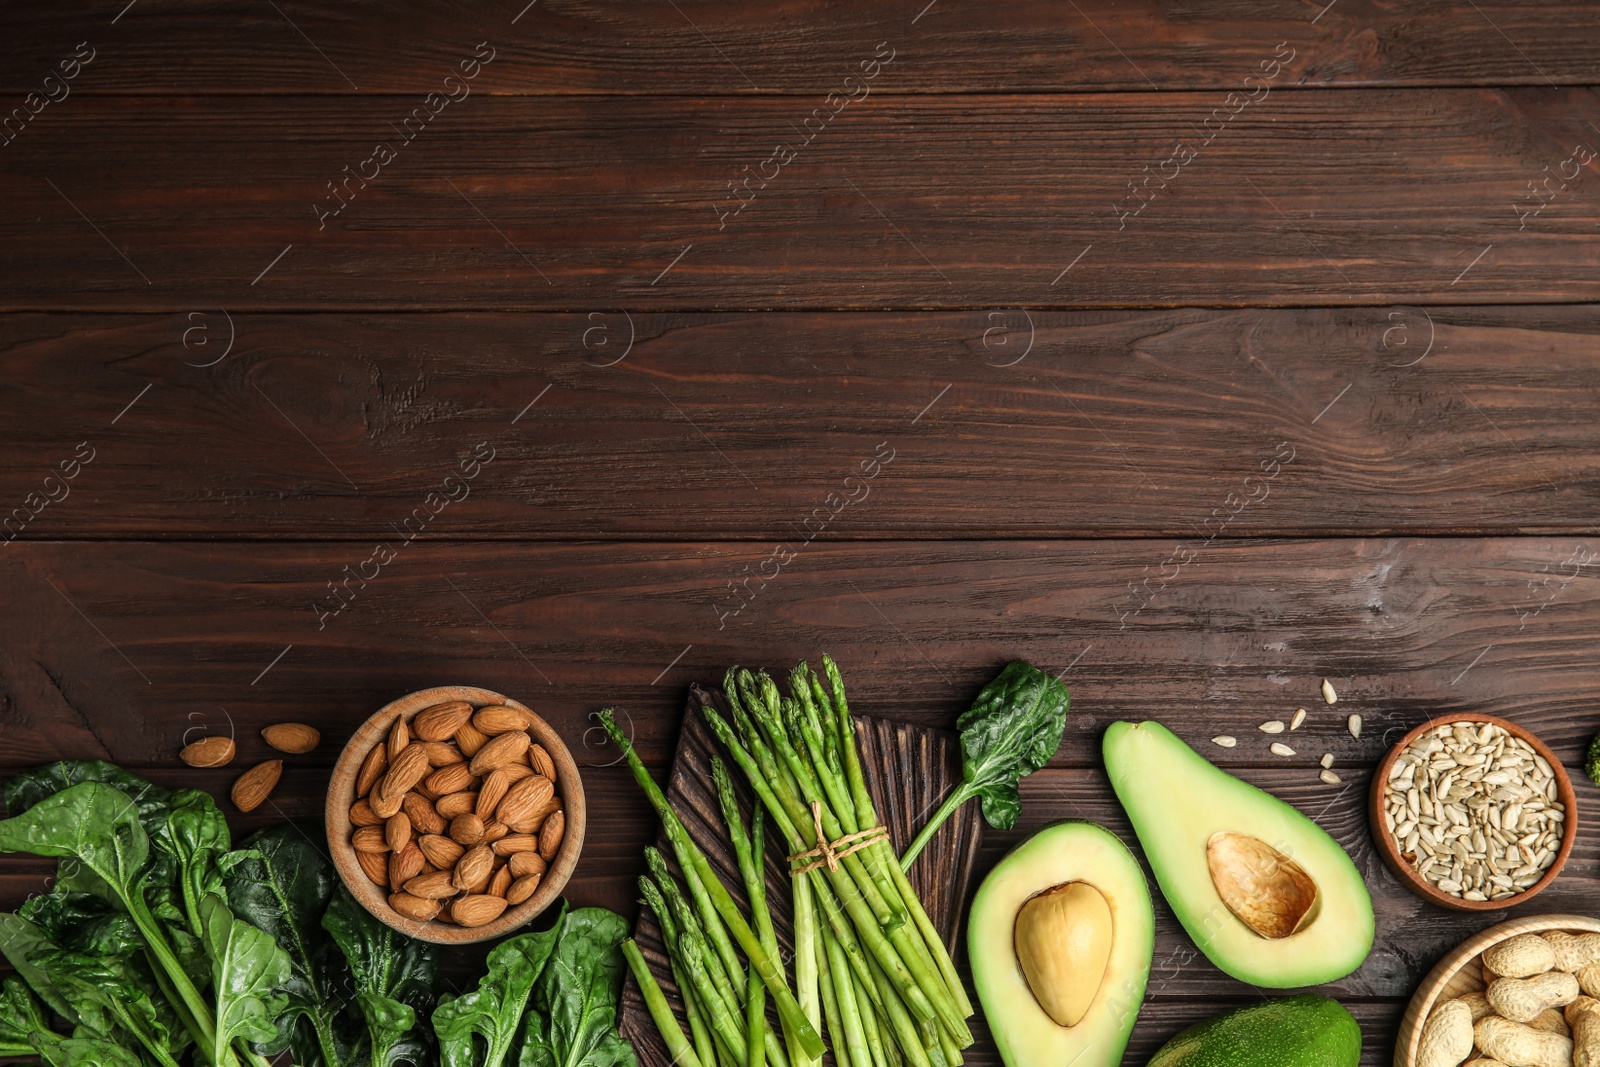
(1011, 730)
(27, 788)
(573, 1021)
(248, 970)
(393, 977)
(479, 1028)
(21, 1017)
(280, 882)
(194, 834)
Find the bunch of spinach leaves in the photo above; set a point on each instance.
(161, 944)
(551, 994)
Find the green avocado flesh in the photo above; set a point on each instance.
(1300, 1031)
(1263, 891)
(1055, 857)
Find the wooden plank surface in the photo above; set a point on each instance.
(671, 426)
(114, 650)
(715, 46)
(935, 201)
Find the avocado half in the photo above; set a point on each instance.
(1061, 931)
(1262, 890)
(1301, 1031)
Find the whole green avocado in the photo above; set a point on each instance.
(1307, 1030)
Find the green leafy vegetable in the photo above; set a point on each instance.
(247, 969)
(479, 1028)
(1591, 762)
(576, 998)
(393, 976)
(281, 883)
(195, 835)
(1011, 730)
(21, 1017)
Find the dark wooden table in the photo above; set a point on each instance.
(1196, 352)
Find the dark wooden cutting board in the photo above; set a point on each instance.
(909, 770)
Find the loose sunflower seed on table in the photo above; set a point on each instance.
(1474, 811)
(1224, 741)
(1271, 726)
(1299, 717)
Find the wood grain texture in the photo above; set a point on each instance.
(1406, 629)
(594, 204)
(908, 770)
(705, 46)
(1075, 424)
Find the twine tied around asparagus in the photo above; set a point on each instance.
(829, 853)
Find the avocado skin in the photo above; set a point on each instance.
(1307, 1030)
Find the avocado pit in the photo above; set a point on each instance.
(1063, 937)
(1265, 889)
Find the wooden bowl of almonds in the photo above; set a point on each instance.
(455, 814)
(1473, 813)
(1523, 992)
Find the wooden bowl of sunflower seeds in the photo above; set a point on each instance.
(1473, 813)
(455, 814)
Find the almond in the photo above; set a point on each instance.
(523, 864)
(466, 830)
(499, 719)
(523, 800)
(208, 752)
(440, 850)
(405, 771)
(514, 843)
(550, 836)
(425, 818)
(374, 866)
(473, 870)
(494, 787)
(383, 805)
(451, 779)
(440, 722)
(435, 885)
(517, 771)
(506, 748)
(372, 769)
(369, 839)
(494, 830)
(500, 882)
(397, 831)
(399, 738)
(405, 865)
(422, 790)
(255, 785)
(469, 739)
(361, 814)
(442, 753)
(295, 738)
(456, 804)
(542, 762)
(477, 910)
(414, 907)
(522, 888)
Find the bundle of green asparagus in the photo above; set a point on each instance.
(868, 961)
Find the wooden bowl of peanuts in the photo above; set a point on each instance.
(455, 814)
(1473, 812)
(1523, 993)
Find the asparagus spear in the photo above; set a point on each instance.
(691, 858)
(683, 1054)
